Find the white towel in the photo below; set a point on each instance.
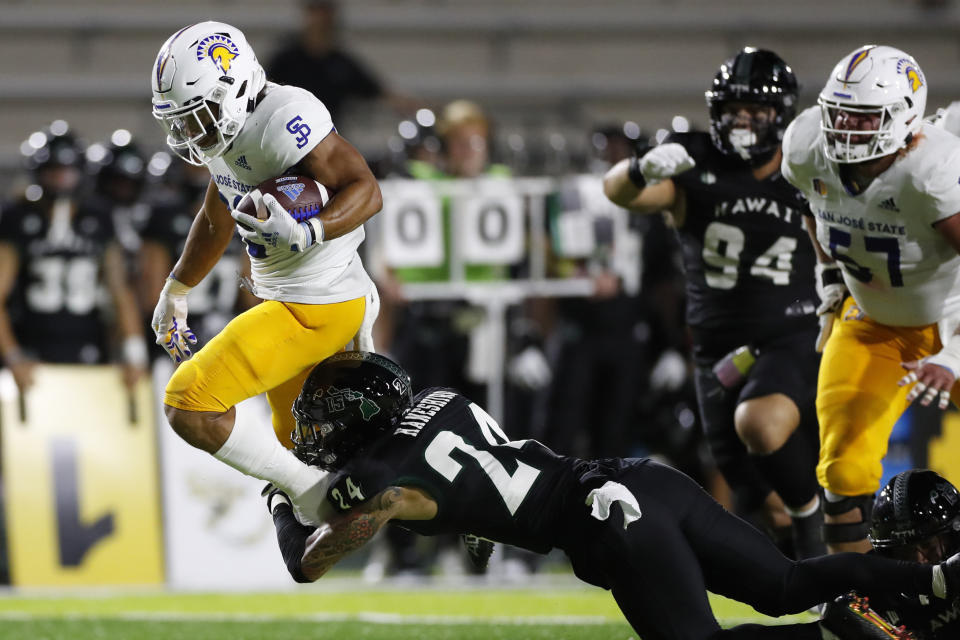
(603, 498)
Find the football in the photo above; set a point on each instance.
(302, 197)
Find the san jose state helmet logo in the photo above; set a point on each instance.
(219, 49)
(914, 77)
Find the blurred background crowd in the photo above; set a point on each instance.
(95, 210)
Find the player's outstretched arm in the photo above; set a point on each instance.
(309, 553)
(644, 185)
(209, 236)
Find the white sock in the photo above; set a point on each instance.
(256, 452)
(804, 513)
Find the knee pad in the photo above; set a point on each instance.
(848, 531)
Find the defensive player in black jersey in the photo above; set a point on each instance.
(751, 296)
(57, 249)
(438, 463)
(916, 517)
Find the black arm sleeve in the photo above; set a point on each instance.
(292, 538)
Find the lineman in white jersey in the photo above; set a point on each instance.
(212, 99)
(883, 188)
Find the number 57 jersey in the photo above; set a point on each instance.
(512, 492)
(900, 270)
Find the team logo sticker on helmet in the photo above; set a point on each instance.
(908, 68)
(219, 49)
(337, 399)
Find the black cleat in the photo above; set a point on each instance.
(850, 616)
(478, 549)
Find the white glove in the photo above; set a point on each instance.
(669, 373)
(665, 161)
(832, 291)
(830, 287)
(529, 369)
(169, 322)
(279, 230)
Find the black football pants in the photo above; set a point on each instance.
(660, 568)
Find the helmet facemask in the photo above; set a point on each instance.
(748, 130)
(857, 133)
(196, 132)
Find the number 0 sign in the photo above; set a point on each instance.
(489, 224)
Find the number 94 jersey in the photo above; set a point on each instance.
(900, 270)
(512, 492)
(748, 260)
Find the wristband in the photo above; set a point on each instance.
(135, 351)
(948, 357)
(634, 173)
(829, 274)
(316, 228)
(175, 287)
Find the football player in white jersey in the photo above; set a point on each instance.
(883, 189)
(212, 99)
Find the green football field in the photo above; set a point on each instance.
(340, 610)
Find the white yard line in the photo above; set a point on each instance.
(367, 617)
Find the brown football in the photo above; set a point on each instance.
(302, 197)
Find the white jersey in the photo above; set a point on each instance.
(900, 270)
(948, 118)
(286, 124)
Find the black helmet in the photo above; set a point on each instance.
(754, 76)
(347, 402)
(915, 510)
(54, 146)
(120, 167)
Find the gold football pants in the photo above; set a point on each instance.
(271, 347)
(858, 400)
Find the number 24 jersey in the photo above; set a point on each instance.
(516, 492)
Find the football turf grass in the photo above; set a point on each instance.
(431, 613)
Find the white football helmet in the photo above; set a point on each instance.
(205, 80)
(872, 104)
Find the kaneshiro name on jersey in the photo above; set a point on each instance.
(420, 414)
(860, 223)
(757, 205)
